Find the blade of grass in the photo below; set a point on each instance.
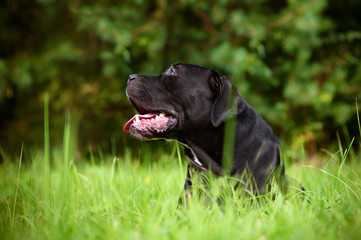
(179, 156)
(228, 144)
(354, 160)
(17, 187)
(115, 160)
(358, 118)
(46, 148)
(349, 140)
(340, 146)
(91, 155)
(343, 160)
(66, 141)
(9, 212)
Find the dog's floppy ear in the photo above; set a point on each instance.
(228, 103)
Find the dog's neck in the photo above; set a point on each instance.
(207, 146)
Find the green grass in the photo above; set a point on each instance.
(55, 194)
(120, 198)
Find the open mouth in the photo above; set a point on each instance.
(149, 124)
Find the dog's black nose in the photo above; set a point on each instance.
(132, 77)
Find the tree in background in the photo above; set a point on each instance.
(297, 62)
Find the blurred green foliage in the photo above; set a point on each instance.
(296, 61)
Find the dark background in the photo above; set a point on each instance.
(297, 62)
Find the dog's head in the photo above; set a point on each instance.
(183, 98)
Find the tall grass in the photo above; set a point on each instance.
(56, 194)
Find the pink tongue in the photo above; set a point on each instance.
(145, 116)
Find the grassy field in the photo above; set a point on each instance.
(55, 194)
(121, 198)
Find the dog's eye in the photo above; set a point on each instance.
(172, 71)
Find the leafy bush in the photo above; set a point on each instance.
(297, 62)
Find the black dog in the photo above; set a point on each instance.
(192, 104)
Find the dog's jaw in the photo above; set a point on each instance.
(150, 126)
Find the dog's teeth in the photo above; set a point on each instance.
(162, 114)
(137, 118)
